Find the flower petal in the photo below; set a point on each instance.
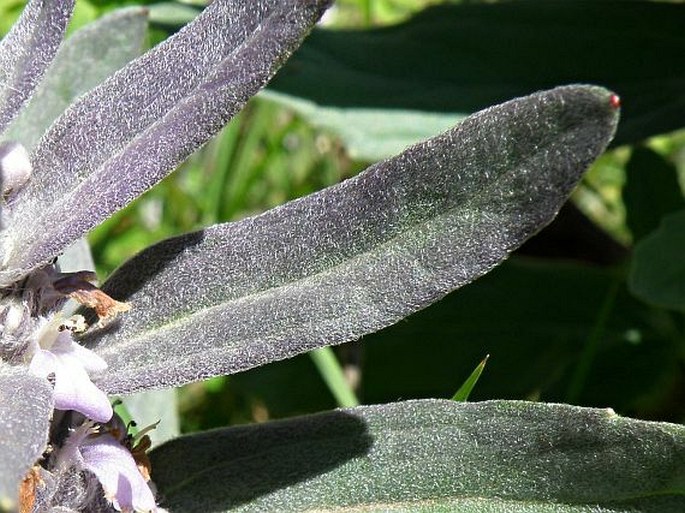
(75, 391)
(127, 134)
(43, 364)
(73, 388)
(27, 51)
(90, 361)
(117, 472)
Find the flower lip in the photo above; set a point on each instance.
(58, 354)
(118, 473)
(89, 448)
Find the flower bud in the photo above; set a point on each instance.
(15, 166)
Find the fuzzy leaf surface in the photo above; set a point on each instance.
(131, 131)
(355, 257)
(429, 353)
(451, 60)
(26, 52)
(25, 409)
(82, 62)
(431, 455)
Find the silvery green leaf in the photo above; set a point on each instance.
(27, 50)
(128, 133)
(84, 60)
(25, 410)
(431, 456)
(77, 257)
(370, 134)
(355, 257)
(172, 14)
(152, 407)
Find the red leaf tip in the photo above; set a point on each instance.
(615, 101)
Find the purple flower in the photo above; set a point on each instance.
(112, 463)
(55, 352)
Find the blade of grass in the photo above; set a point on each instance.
(226, 145)
(259, 121)
(465, 390)
(331, 372)
(367, 12)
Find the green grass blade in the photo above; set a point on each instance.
(465, 390)
(331, 372)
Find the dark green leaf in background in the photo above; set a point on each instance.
(534, 319)
(651, 191)
(451, 60)
(657, 273)
(438, 456)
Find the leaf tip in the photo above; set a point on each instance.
(615, 101)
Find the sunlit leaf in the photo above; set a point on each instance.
(127, 134)
(432, 456)
(100, 49)
(356, 257)
(25, 411)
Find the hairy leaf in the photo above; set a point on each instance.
(25, 410)
(452, 60)
(83, 61)
(431, 456)
(26, 52)
(657, 270)
(533, 332)
(358, 256)
(128, 133)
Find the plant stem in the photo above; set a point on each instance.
(332, 373)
